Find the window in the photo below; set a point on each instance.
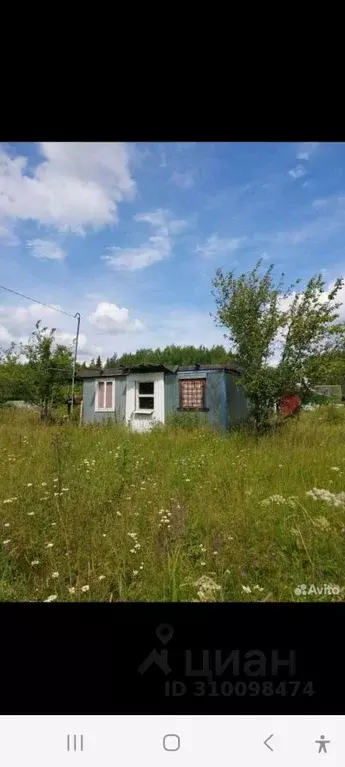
(192, 393)
(145, 395)
(105, 396)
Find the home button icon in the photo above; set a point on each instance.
(171, 742)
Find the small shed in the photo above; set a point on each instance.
(143, 395)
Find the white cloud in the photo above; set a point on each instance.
(109, 318)
(7, 236)
(306, 150)
(46, 249)
(297, 172)
(156, 248)
(19, 321)
(184, 180)
(76, 186)
(216, 245)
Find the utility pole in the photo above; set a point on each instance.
(77, 317)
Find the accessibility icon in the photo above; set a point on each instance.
(322, 744)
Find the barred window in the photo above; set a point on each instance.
(192, 393)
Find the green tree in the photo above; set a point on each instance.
(251, 308)
(49, 367)
(98, 362)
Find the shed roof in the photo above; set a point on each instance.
(151, 368)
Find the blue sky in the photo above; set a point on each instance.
(131, 235)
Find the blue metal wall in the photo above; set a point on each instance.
(215, 396)
(237, 405)
(89, 393)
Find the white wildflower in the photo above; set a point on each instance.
(49, 545)
(29, 484)
(43, 484)
(7, 524)
(104, 535)
(247, 589)
(203, 564)
(65, 489)
(72, 590)
(335, 468)
(8, 540)
(51, 598)
(101, 577)
(55, 575)
(8, 500)
(119, 513)
(135, 572)
(85, 588)
(35, 562)
(31, 513)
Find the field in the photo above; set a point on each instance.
(102, 514)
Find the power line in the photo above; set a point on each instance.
(38, 302)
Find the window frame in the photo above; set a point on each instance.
(202, 409)
(99, 409)
(139, 396)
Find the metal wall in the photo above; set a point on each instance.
(237, 405)
(89, 393)
(216, 416)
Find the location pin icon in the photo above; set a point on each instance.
(164, 632)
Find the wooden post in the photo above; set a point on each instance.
(81, 412)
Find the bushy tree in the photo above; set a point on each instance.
(259, 315)
(49, 367)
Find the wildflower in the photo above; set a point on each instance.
(8, 500)
(43, 484)
(119, 513)
(72, 590)
(203, 564)
(85, 588)
(141, 567)
(7, 524)
(56, 494)
(35, 562)
(187, 480)
(215, 553)
(56, 479)
(137, 546)
(65, 489)
(332, 499)
(7, 541)
(133, 535)
(49, 545)
(29, 484)
(135, 572)
(133, 551)
(335, 468)
(258, 588)
(207, 589)
(101, 577)
(45, 498)
(31, 513)
(55, 575)
(247, 589)
(104, 535)
(51, 598)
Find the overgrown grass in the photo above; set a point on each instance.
(99, 513)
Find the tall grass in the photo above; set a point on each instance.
(100, 513)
